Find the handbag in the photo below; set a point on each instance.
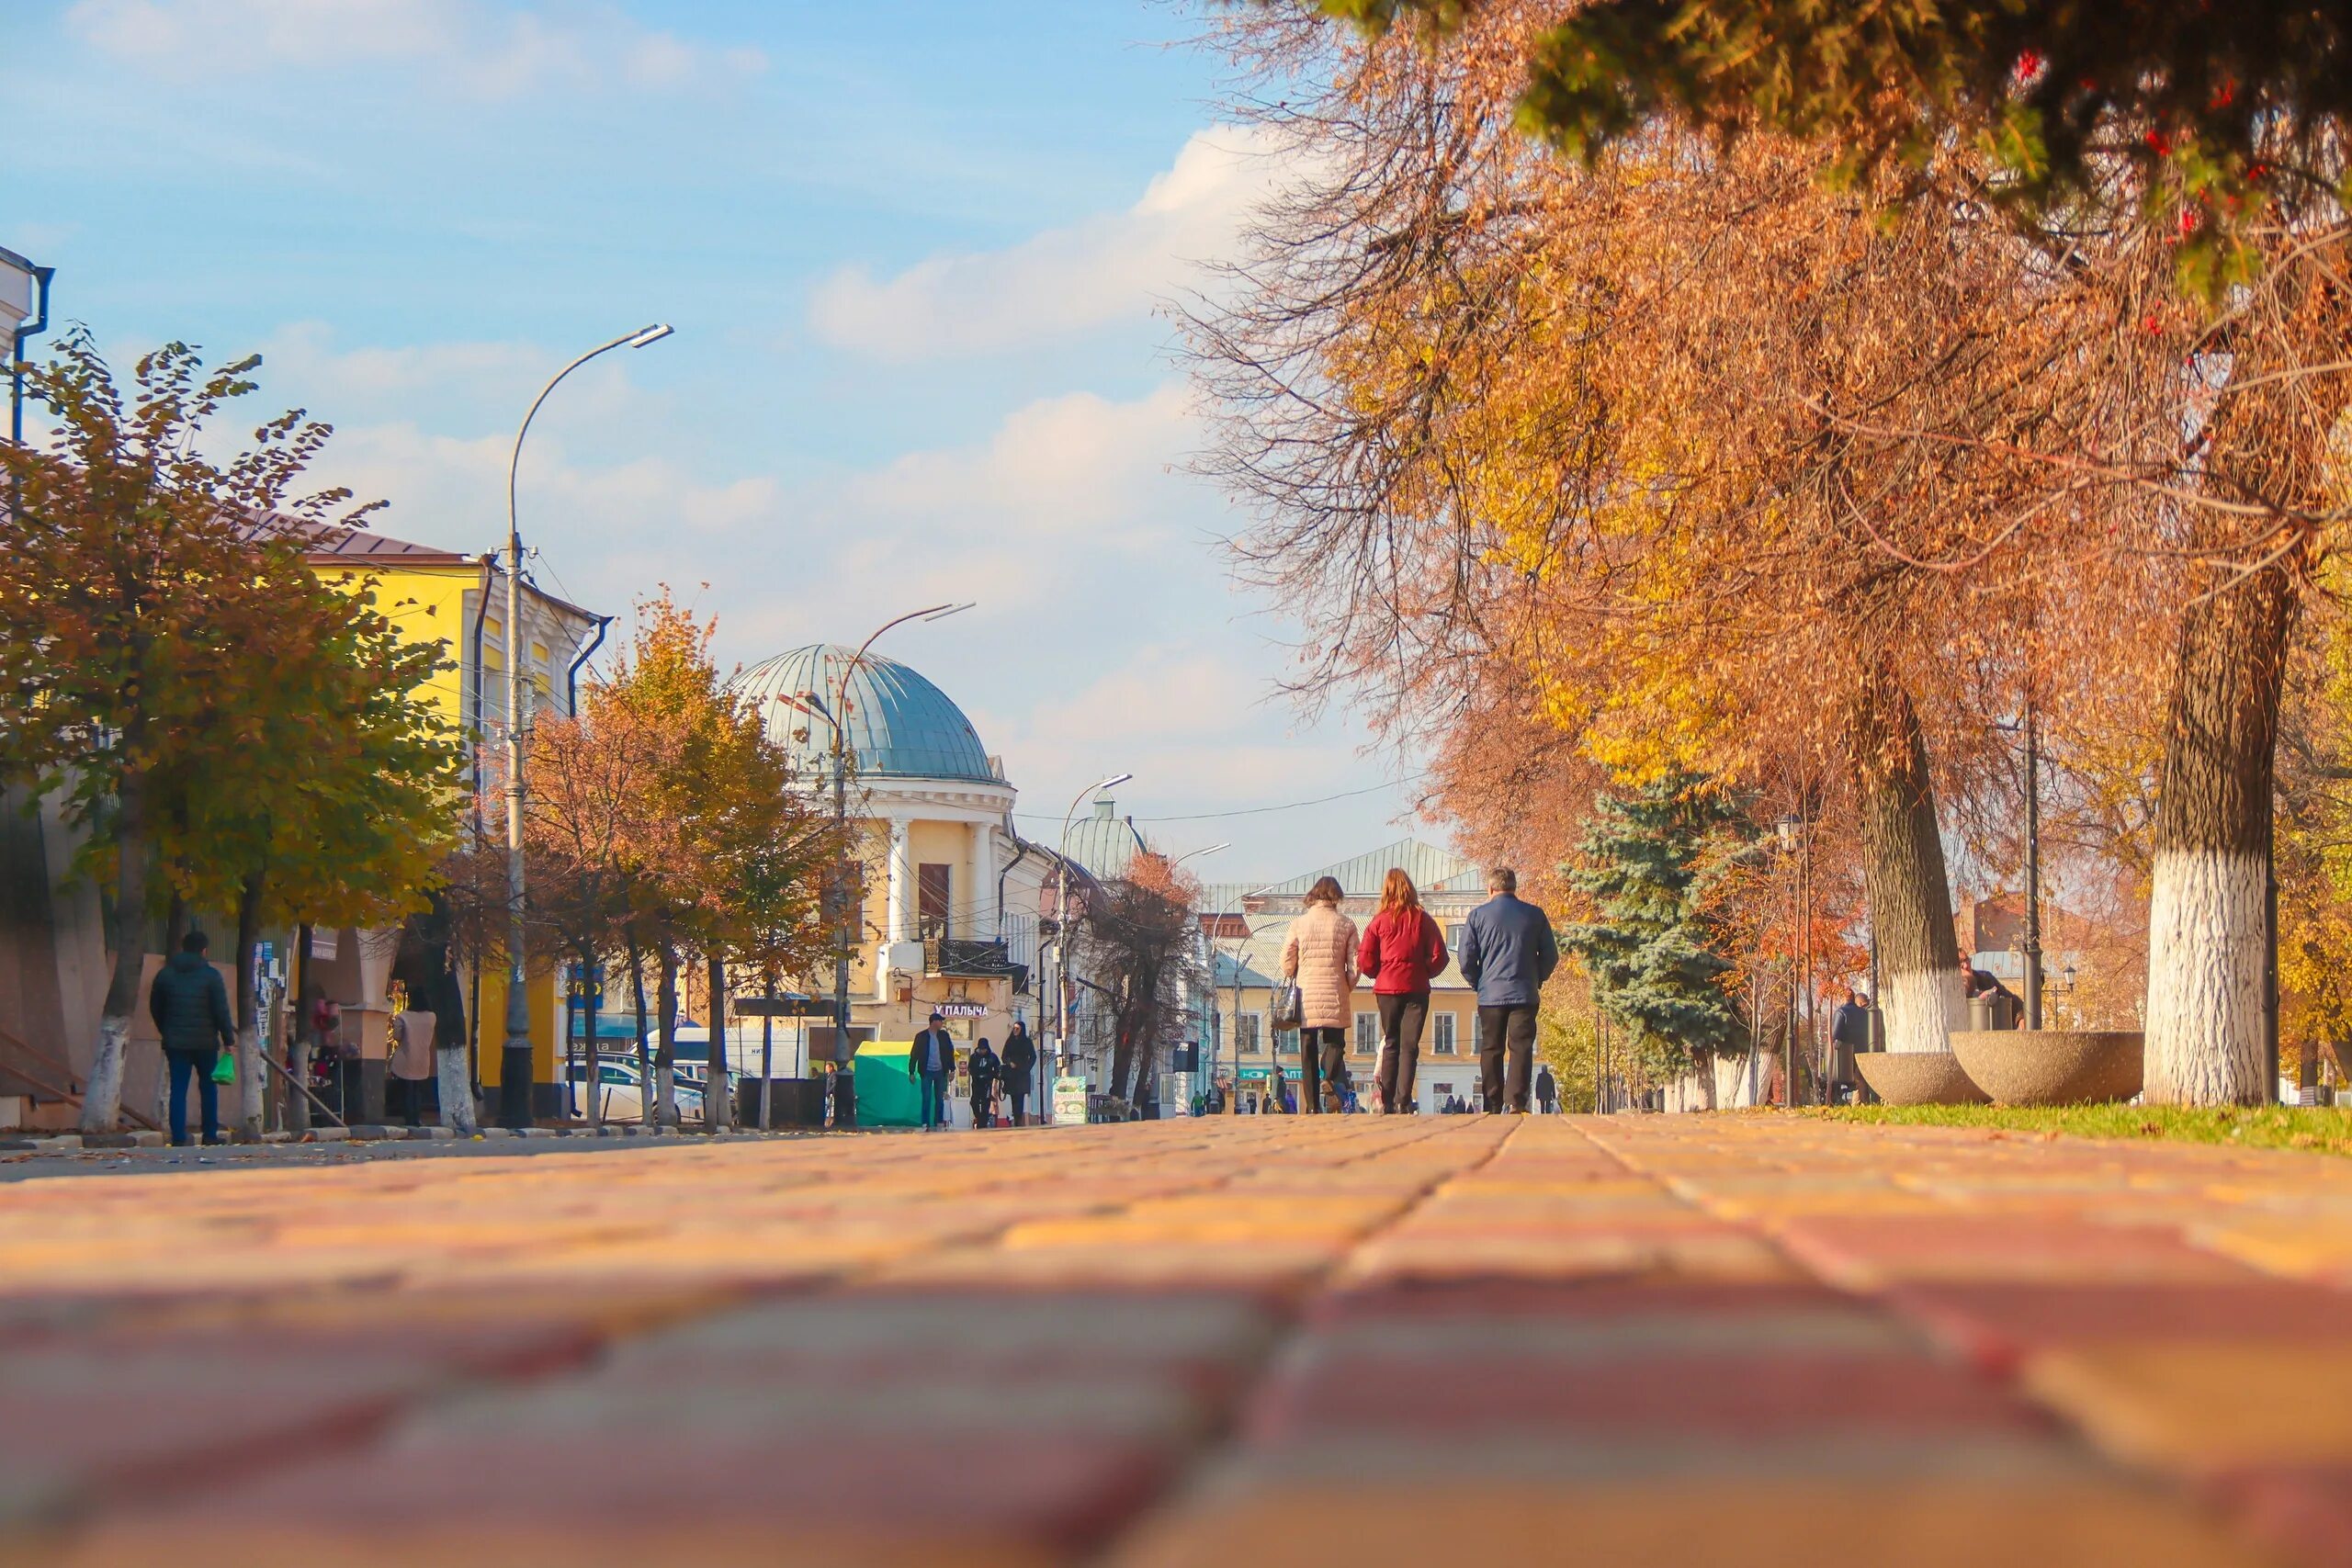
(1290, 1005)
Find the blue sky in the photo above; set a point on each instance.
(915, 251)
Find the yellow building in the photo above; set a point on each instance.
(1244, 926)
(459, 602)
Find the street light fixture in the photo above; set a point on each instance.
(515, 1060)
(1061, 1043)
(836, 717)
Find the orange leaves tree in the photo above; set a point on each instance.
(669, 823)
(1140, 934)
(171, 669)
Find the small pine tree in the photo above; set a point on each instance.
(1649, 858)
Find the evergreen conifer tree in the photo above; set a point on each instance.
(1649, 860)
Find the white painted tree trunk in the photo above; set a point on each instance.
(2206, 919)
(249, 1072)
(102, 1091)
(455, 1086)
(1922, 1008)
(665, 1095)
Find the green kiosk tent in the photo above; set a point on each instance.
(886, 1096)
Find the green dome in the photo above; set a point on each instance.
(898, 724)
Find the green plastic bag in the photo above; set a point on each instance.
(224, 1068)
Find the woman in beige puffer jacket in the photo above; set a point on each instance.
(1320, 955)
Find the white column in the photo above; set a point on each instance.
(980, 897)
(902, 882)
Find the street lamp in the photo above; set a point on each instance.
(1791, 830)
(1201, 1024)
(1061, 935)
(514, 1061)
(836, 717)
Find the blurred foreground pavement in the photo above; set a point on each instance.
(1446, 1340)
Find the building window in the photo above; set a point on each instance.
(1286, 1043)
(1442, 1035)
(1454, 937)
(1367, 1033)
(1245, 1034)
(933, 891)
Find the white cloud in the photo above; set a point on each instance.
(1105, 268)
(486, 50)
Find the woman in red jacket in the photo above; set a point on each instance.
(1403, 951)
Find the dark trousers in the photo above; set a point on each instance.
(184, 1065)
(1403, 1015)
(411, 1097)
(1322, 1062)
(1506, 1028)
(935, 1099)
(983, 1101)
(1017, 1097)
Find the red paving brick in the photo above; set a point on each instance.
(1689, 1341)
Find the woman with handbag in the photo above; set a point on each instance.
(1320, 955)
(1403, 952)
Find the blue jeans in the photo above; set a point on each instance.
(934, 1100)
(198, 1063)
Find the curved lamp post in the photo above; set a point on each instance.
(515, 1060)
(1060, 1046)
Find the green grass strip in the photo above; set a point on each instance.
(2323, 1129)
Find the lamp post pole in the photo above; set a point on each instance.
(836, 719)
(515, 1060)
(1060, 1045)
(1201, 1023)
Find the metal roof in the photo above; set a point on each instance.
(897, 723)
(1105, 842)
(1433, 869)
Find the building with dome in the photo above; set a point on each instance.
(946, 913)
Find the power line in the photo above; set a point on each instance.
(1249, 810)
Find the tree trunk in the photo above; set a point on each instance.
(249, 1063)
(102, 1093)
(298, 1038)
(2207, 926)
(645, 1108)
(665, 1057)
(1902, 873)
(717, 1113)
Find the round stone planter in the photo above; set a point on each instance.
(2051, 1066)
(1917, 1077)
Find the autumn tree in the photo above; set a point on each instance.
(131, 588)
(1140, 936)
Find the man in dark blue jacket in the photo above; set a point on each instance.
(1507, 952)
(190, 1007)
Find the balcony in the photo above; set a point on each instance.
(961, 958)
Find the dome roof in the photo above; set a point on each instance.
(898, 724)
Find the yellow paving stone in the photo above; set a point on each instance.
(2203, 1406)
(1808, 1524)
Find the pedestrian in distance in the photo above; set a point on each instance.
(190, 1007)
(1402, 952)
(986, 1070)
(931, 1061)
(1508, 951)
(1547, 1090)
(1849, 1031)
(1019, 1061)
(1320, 953)
(411, 1066)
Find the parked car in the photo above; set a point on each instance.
(624, 1092)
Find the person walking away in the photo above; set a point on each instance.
(1547, 1090)
(1402, 952)
(190, 1007)
(411, 1066)
(1849, 1031)
(986, 1070)
(1508, 951)
(931, 1061)
(1020, 1064)
(1320, 953)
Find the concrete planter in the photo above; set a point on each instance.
(1917, 1077)
(2052, 1066)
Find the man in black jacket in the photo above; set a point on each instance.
(190, 1007)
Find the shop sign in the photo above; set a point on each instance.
(962, 1009)
(1069, 1101)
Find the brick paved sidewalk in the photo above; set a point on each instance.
(1455, 1341)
